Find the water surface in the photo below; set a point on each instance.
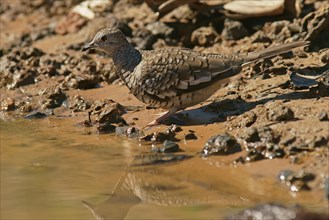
(49, 166)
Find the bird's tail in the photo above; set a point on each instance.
(272, 51)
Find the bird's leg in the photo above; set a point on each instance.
(163, 117)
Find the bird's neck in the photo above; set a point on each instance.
(126, 58)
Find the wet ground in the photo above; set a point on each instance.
(46, 174)
(70, 132)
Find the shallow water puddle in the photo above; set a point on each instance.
(48, 167)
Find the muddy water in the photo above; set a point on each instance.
(49, 166)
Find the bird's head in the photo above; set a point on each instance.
(108, 40)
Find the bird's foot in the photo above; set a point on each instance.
(162, 117)
(166, 117)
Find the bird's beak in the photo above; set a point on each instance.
(88, 46)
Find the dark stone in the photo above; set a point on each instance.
(105, 128)
(239, 160)
(168, 134)
(173, 129)
(36, 115)
(82, 81)
(169, 146)
(191, 136)
(299, 185)
(221, 144)
(252, 135)
(154, 159)
(305, 176)
(254, 155)
(323, 116)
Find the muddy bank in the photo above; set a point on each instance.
(275, 110)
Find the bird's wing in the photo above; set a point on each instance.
(169, 73)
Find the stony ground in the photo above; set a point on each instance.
(271, 110)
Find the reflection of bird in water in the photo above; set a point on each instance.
(144, 182)
(172, 180)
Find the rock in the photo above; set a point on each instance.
(36, 115)
(325, 56)
(273, 151)
(82, 81)
(315, 24)
(190, 136)
(169, 134)
(8, 104)
(267, 135)
(278, 70)
(234, 30)
(143, 39)
(72, 23)
(26, 107)
(258, 8)
(239, 160)
(221, 144)
(204, 36)
(299, 185)
(105, 128)
(91, 9)
(247, 119)
(262, 67)
(153, 159)
(279, 113)
(252, 135)
(254, 155)
(305, 176)
(173, 129)
(54, 97)
(276, 211)
(323, 116)
(78, 104)
(108, 111)
(169, 147)
(130, 132)
(159, 137)
(296, 181)
(262, 143)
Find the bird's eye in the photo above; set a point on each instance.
(104, 38)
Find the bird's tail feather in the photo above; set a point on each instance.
(272, 51)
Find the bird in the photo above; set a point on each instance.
(174, 78)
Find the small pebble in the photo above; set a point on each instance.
(36, 115)
(323, 116)
(169, 146)
(191, 136)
